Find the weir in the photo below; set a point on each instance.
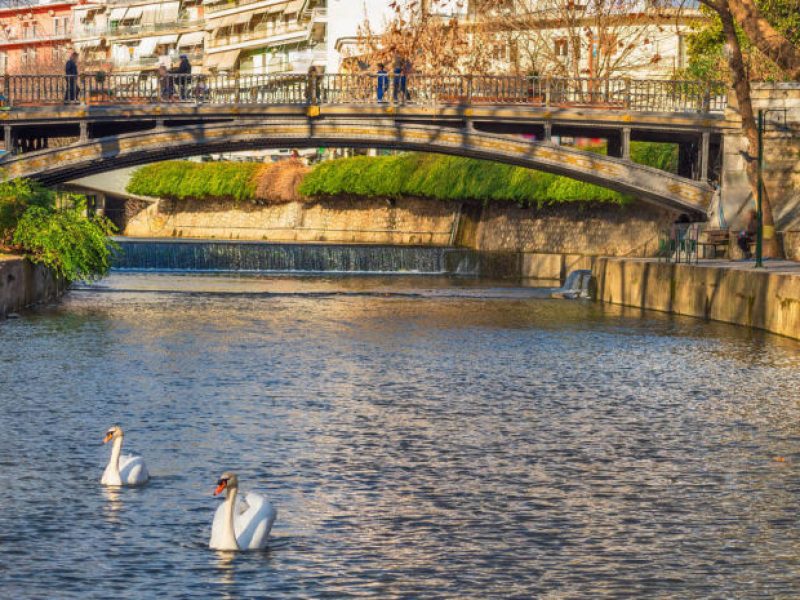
(258, 257)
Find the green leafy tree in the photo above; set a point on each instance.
(65, 240)
(16, 196)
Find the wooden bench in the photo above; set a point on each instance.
(716, 238)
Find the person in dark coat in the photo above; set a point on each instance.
(71, 75)
(383, 82)
(185, 71)
(748, 235)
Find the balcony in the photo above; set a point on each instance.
(36, 39)
(230, 4)
(264, 37)
(136, 30)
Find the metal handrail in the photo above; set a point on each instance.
(667, 96)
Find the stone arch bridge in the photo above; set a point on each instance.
(509, 120)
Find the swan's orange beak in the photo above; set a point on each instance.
(108, 437)
(221, 485)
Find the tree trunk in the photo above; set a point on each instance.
(765, 37)
(741, 86)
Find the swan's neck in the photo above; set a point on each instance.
(116, 450)
(228, 533)
(112, 476)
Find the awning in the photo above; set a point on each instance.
(151, 14)
(170, 38)
(116, 14)
(295, 6)
(194, 38)
(169, 11)
(134, 12)
(147, 47)
(232, 20)
(222, 61)
(87, 44)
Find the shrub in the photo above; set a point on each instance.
(449, 178)
(65, 240)
(182, 179)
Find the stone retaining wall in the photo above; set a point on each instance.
(24, 284)
(764, 299)
(550, 241)
(407, 221)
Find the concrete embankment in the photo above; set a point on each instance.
(23, 284)
(738, 293)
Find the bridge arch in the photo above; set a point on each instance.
(56, 165)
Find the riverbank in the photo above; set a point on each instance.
(24, 284)
(719, 290)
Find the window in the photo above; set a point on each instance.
(500, 52)
(3, 63)
(561, 48)
(59, 25)
(28, 56)
(681, 51)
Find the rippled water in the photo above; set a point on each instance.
(418, 439)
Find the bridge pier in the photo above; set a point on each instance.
(626, 143)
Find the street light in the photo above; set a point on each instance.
(762, 113)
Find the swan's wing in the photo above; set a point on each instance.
(132, 470)
(253, 521)
(217, 526)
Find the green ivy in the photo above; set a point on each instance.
(65, 240)
(181, 179)
(449, 178)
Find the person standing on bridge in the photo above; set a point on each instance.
(71, 75)
(383, 82)
(184, 72)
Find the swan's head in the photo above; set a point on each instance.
(226, 481)
(113, 433)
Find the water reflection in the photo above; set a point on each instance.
(114, 505)
(418, 440)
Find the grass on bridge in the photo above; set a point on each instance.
(409, 174)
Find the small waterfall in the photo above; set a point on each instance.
(226, 256)
(577, 285)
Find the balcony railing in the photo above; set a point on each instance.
(664, 96)
(134, 30)
(263, 34)
(34, 39)
(227, 5)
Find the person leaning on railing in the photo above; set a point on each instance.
(71, 74)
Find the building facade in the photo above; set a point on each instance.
(35, 36)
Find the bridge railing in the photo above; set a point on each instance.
(426, 90)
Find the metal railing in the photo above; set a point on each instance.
(440, 90)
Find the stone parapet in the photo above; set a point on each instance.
(767, 299)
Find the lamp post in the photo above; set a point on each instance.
(759, 192)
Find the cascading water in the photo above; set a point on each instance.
(577, 285)
(226, 256)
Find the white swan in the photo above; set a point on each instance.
(123, 469)
(240, 523)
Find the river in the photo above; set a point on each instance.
(421, 437)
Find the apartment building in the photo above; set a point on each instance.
(569, 38)
(34, 35)
(265, 36)
(126, 36)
